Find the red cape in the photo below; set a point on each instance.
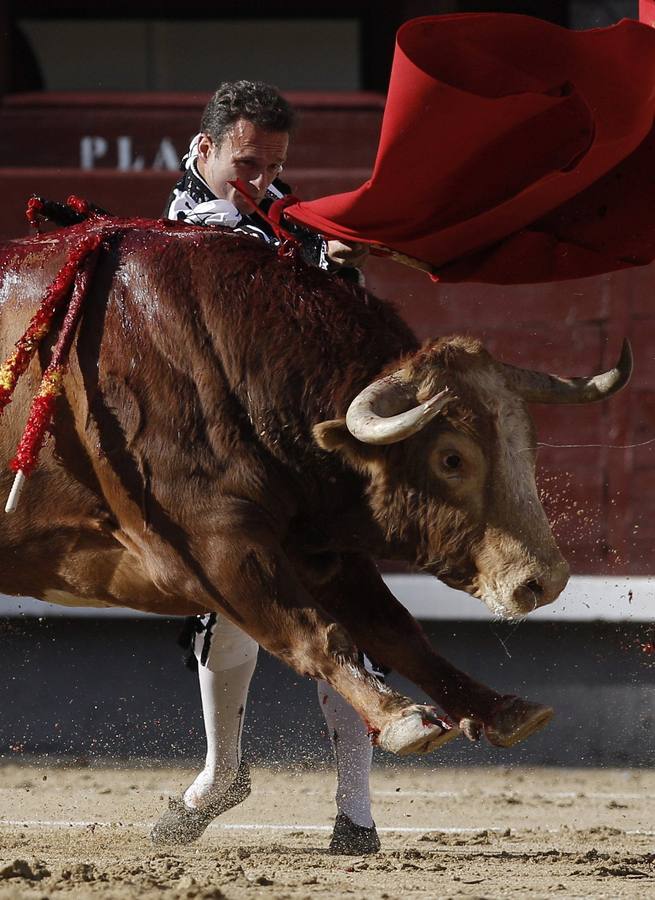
(511, 150)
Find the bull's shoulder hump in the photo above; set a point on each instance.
(132, 233)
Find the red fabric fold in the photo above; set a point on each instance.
(492, 122)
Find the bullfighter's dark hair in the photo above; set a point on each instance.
(256, 101)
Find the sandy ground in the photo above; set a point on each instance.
(82, 832)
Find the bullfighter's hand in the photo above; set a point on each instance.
(342, 254)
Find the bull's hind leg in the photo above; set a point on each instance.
(268, 601)
(359, 599)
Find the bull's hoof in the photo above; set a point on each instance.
(182, 825)
(515, 720)
(471, 729)
(418, 730)
(349, 839)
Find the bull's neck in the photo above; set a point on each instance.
(352, 527)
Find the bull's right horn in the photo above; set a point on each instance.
(538, 387)
(386, 411)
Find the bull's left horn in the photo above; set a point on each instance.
(386, 412)
(538, 387)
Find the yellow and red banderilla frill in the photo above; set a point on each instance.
(68, 288)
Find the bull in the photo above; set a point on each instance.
(239, 432)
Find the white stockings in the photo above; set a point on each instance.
(226, 663)
(353, 754)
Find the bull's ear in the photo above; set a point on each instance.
(334, 436)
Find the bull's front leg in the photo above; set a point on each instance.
(359, 599)
(264, 597)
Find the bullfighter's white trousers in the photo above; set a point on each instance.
(226, 662)
(226, 657)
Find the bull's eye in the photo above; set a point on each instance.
(452, 461)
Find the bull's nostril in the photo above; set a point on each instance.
(529, 595)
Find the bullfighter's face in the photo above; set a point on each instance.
(248, 152)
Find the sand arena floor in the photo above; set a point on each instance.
(82, 832)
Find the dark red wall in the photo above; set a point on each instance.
(600, 499)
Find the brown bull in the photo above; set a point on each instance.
(242, 433)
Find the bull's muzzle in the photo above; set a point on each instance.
(539, 590)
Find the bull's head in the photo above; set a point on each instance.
(449, 450)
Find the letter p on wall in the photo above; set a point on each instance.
(91, 149)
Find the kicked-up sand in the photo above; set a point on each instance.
(76, 831)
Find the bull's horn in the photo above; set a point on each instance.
(386, 411)
(537, 387)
